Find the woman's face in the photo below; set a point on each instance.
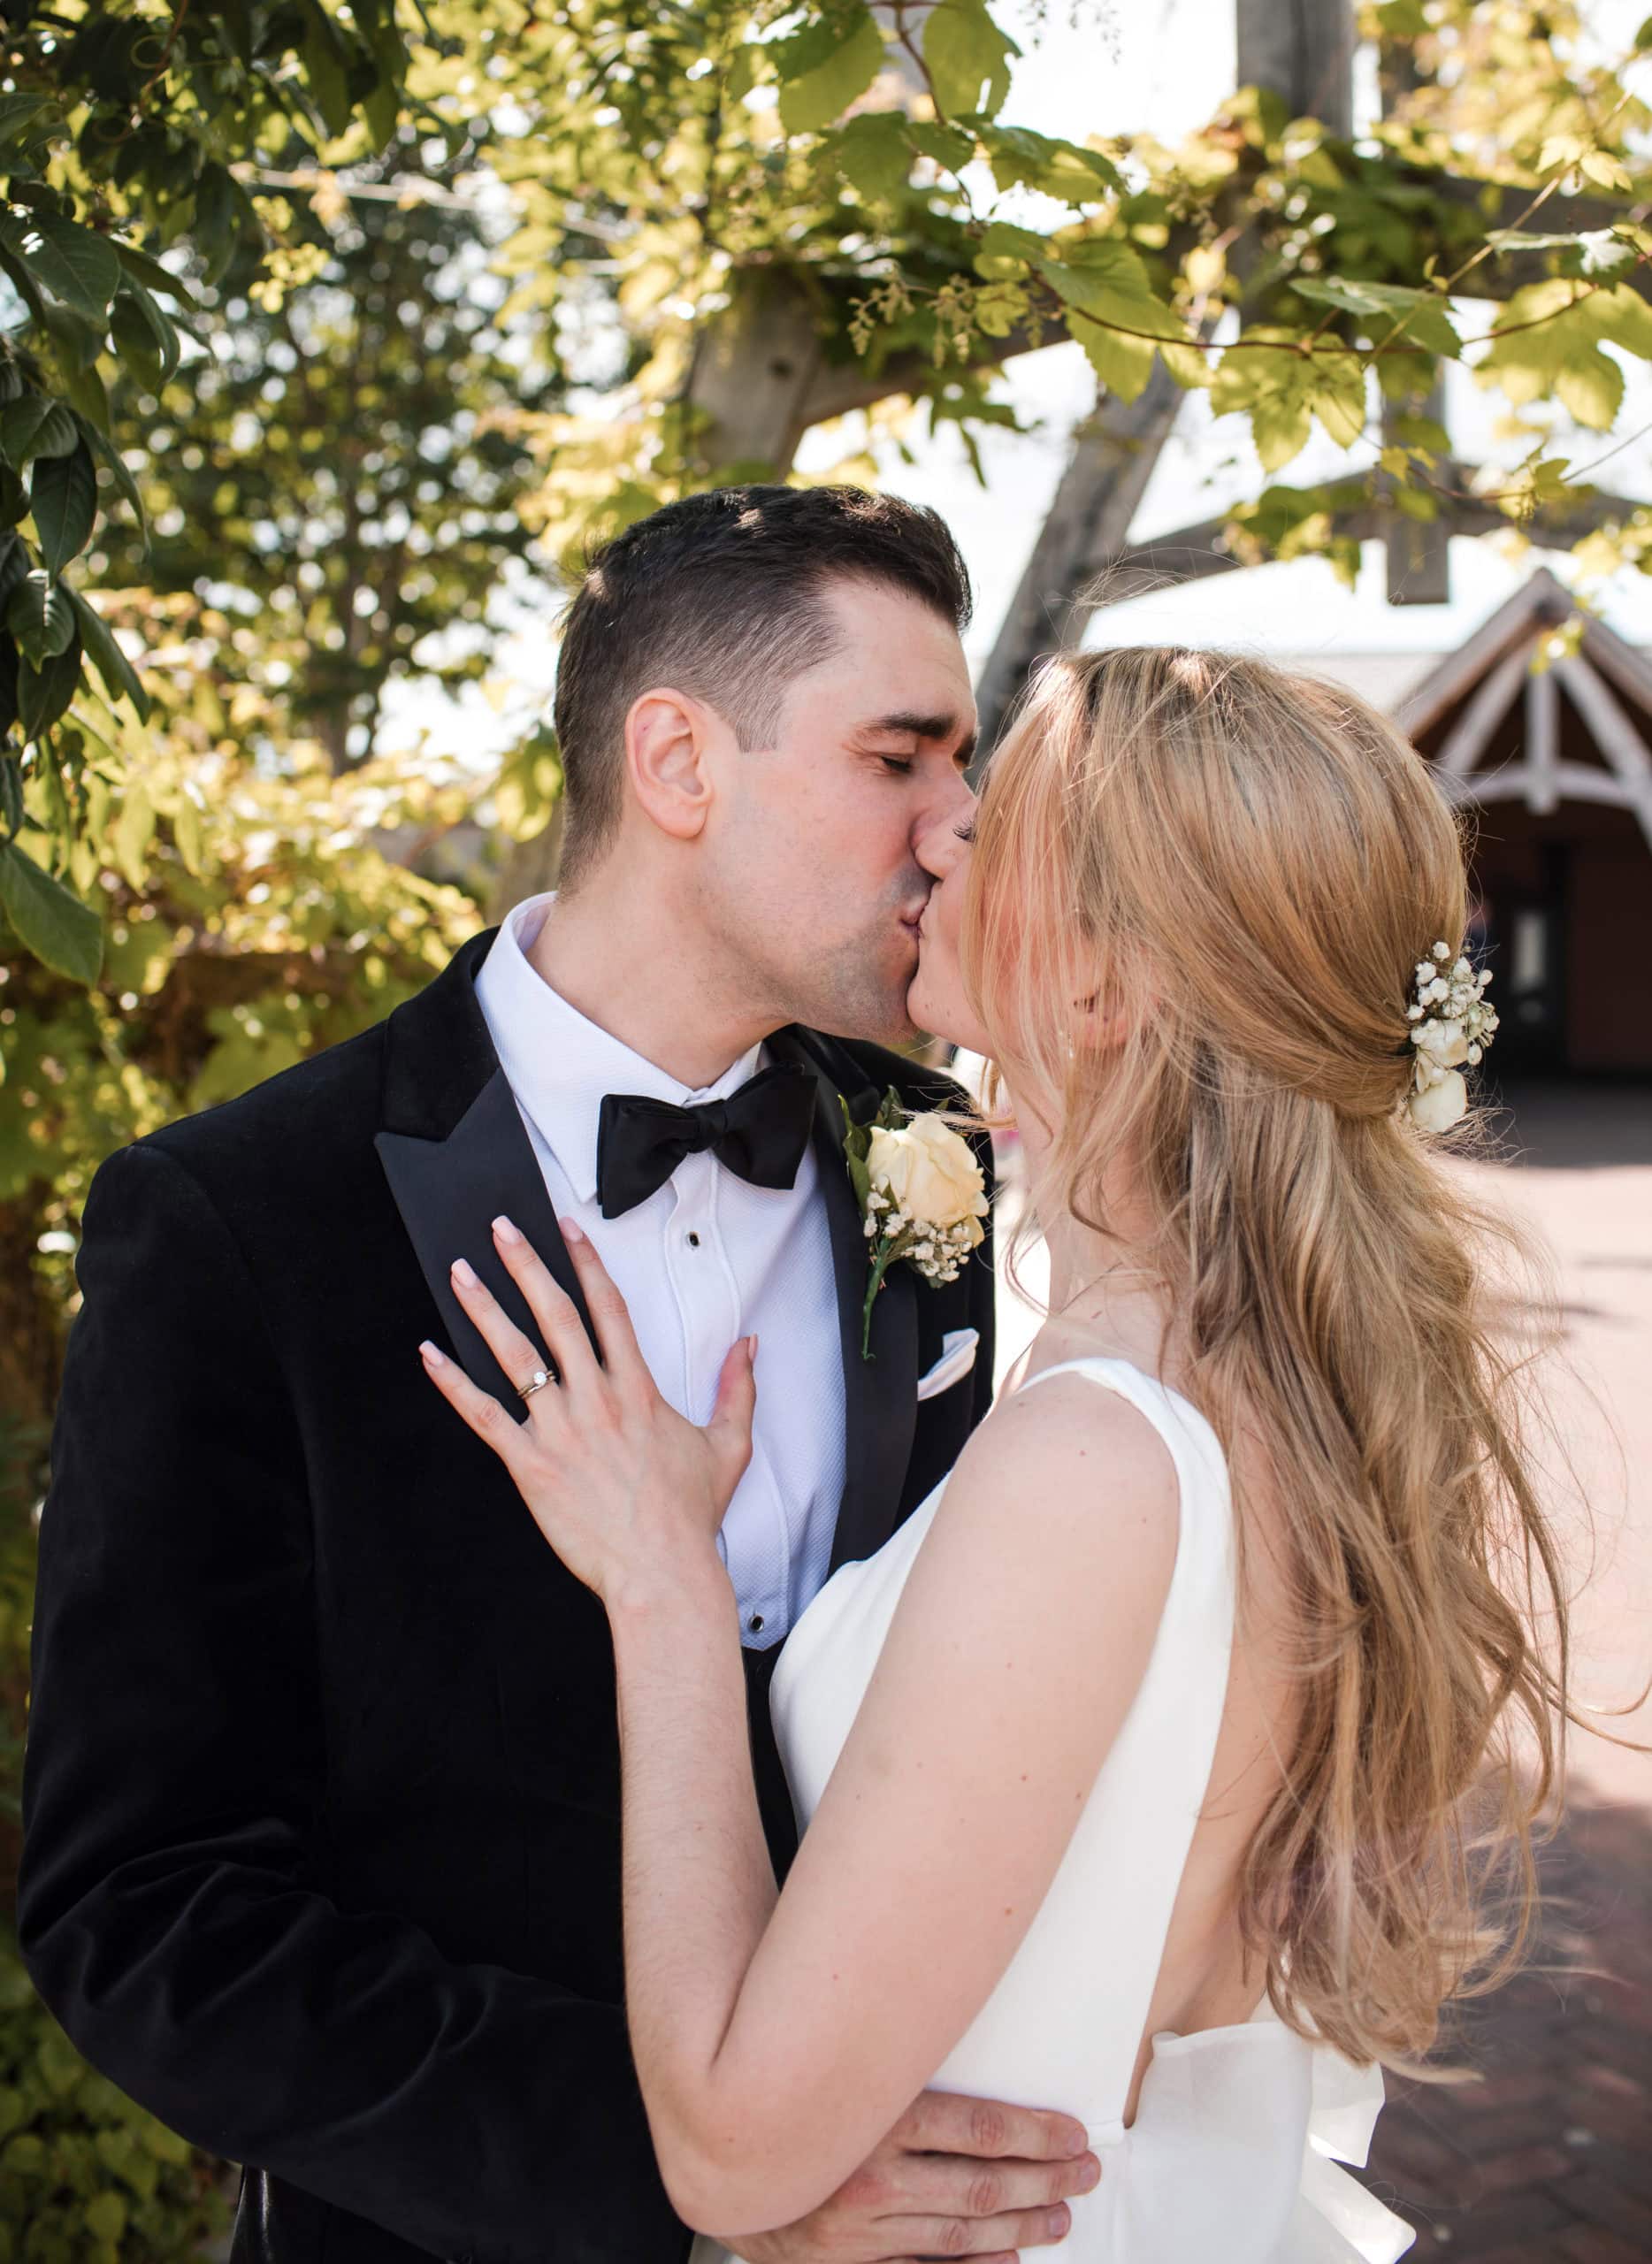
(937, 1000)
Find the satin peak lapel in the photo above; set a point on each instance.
(880, 1395)
(451, 1179)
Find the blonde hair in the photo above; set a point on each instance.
(1243, 869)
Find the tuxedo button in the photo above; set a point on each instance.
(756, 1623)
(694, 1242)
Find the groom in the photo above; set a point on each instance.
(321, 1802)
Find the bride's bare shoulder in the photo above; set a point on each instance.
(1084, 1459)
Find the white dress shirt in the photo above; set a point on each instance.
(706, 1260)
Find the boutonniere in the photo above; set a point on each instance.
(921, 1196)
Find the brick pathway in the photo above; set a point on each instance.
(1549, 2157)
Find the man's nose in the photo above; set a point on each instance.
(936, 843)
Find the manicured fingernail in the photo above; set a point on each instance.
(750, 1349)
(462, 1272)
(432, 1357)
(570, 1232)
(1078, 2143)
(1059, 2219)
(506, 1232)
(1091, 2174)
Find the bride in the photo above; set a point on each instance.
(1152, 1768)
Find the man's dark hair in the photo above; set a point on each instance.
(722, 596)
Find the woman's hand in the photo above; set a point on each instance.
(622, 1486)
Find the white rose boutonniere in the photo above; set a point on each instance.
(921, 1196)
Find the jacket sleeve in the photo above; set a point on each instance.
(171, 1908)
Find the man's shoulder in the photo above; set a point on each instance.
(301, 1122)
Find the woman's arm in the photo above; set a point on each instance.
(777, 2038)
(775, 2041)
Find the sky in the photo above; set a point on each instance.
(1158, 65)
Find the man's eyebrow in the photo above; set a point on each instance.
(911, 723)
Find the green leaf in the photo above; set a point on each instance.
(76, 265)
(946, 146)
(1007, 252)
(152, 272)
(859, 1177)
(60, 2063)
(64, 934)
(1592, 390)
(14, 563)
(25, 2153)
(43, 694)
(1384, 307)
(86, 394)
(165, 2144)
(22, 118)
(874, 155)
(117, 463)
(134, 829)
(144, 333)
(106, 2215)
(1021, 158)
(1280, 427)
(77, 340)
(1282, 389)
(98, 641)
(1625, 320)
(741, 75)
(35, 425)
(326, 68)
(219, 203)
(40, 617)
(825, 68)
(1599, 251)
(62, 496)
(1105, 281)
(967, 58)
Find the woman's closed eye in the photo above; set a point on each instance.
(967, 830)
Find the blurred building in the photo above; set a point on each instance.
(1555, 762)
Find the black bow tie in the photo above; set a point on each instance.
(760, 1132)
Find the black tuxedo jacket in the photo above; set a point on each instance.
(321, 1791)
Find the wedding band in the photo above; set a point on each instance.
(539, 1377)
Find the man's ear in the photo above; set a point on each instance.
(667, 743)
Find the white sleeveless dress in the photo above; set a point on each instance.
(1231, 2158)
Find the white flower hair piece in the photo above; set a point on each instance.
(1452, 1023)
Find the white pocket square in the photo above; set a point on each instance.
(958, 1356)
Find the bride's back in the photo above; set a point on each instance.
(1206, 1978)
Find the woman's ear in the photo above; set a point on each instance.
(667, 743)
(1100, 1021)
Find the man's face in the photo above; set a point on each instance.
(822, 849)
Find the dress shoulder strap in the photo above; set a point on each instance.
(1173, 1416)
